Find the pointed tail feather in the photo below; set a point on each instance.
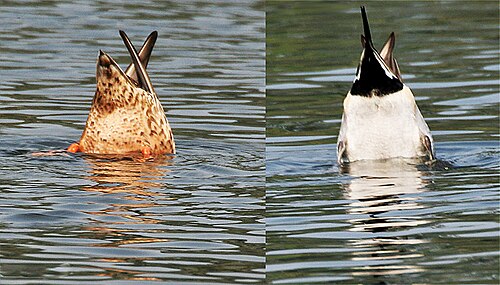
(366, 27)
(144, 55)
(387, 54)
(143, 77)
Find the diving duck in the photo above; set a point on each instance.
(126, 116)
(381, 119)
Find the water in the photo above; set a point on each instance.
(234, 207)
(194, 218)
(389, 222)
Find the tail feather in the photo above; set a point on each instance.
(387, 54)
(144, 55)
(366, 27)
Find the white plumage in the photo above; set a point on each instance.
(382, 127)
(381, 119)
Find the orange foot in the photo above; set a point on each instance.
(74, 148)
(146, 152)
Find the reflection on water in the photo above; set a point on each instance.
(136, 181)
(380, 191)
(140, 183)
(378, 187)
(130, 176)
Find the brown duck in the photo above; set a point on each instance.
(126, 116)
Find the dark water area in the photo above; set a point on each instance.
(194, 218)
(382, 222)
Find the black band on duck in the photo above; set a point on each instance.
(373, 77)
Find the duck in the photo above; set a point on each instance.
(381, 119)
(126, 116)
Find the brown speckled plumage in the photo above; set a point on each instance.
(124, 117)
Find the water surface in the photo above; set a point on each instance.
(386, 222)
(193, 218)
